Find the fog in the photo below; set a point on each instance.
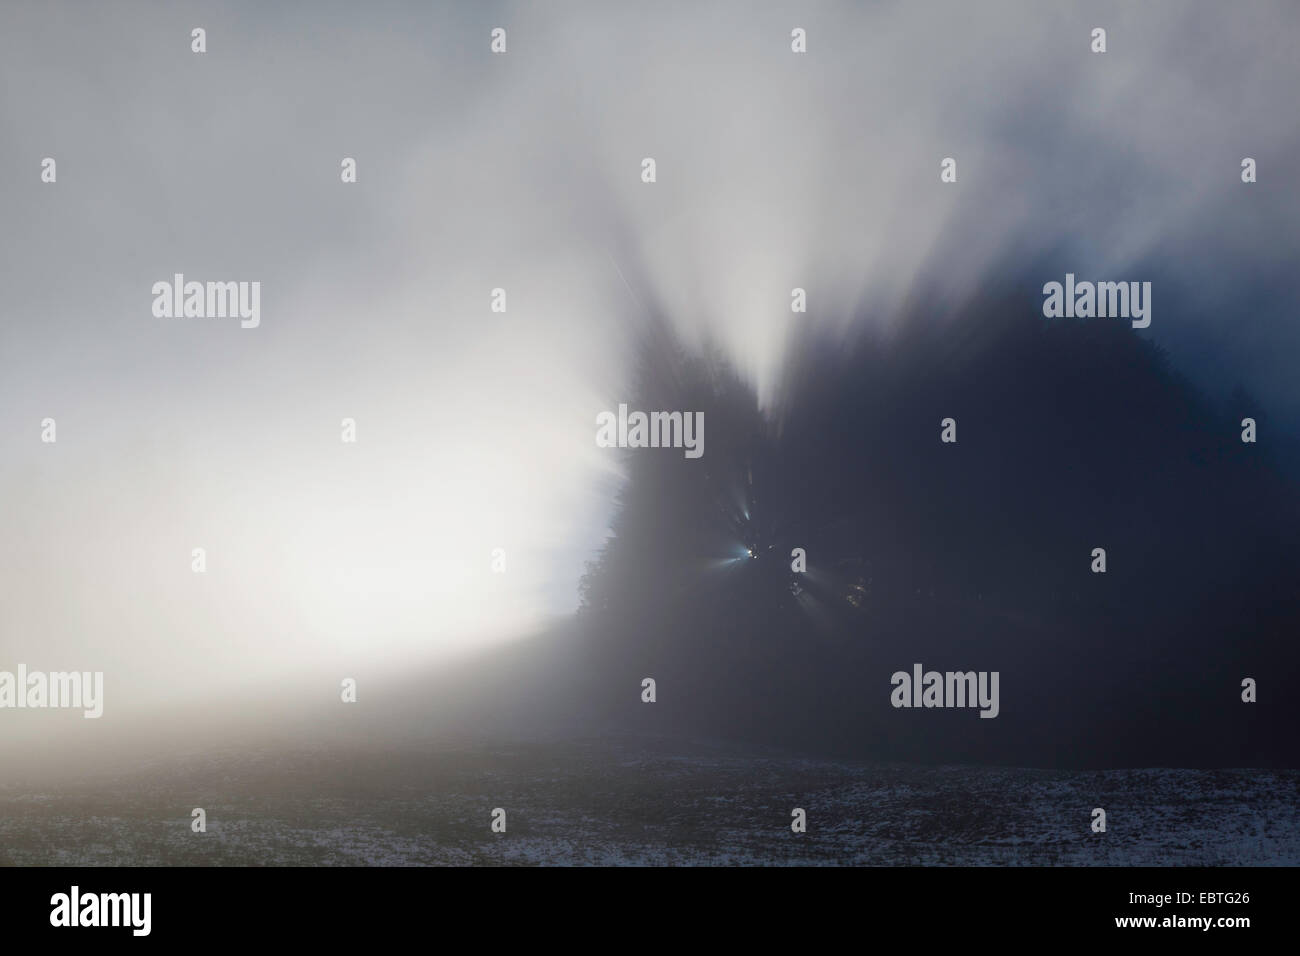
(372, 560)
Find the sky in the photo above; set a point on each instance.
(522, 171)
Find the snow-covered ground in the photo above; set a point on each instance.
(643, 802)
